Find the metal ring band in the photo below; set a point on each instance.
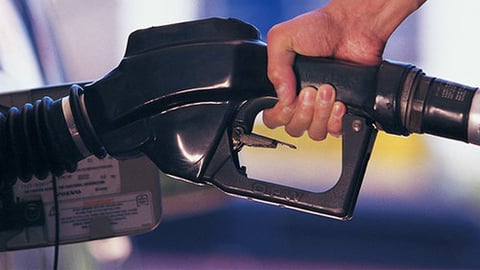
(72, 128)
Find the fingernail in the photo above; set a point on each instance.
(282, 91)
(326, 95)
(338, 110)
(308, 97)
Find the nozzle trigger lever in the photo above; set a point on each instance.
(241, 138)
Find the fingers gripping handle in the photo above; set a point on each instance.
(338, 202)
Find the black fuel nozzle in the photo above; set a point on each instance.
(186, 95)
(398, 98)
(175, 82)
(440, 107)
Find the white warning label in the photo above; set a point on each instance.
(103, 217)
(93, 177)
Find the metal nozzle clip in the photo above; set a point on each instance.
(241, 138)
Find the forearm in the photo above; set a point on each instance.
(381, 17)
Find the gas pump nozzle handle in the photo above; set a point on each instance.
(398, 98)
(184, 93)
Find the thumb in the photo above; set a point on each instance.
(280, 67)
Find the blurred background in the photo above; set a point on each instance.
(418, 206)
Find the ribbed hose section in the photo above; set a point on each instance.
(36, 141)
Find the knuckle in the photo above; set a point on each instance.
(274, 74)
(294, 132)
(317, 135)
(303, 118)
(274, 32)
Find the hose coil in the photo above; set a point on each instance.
(35, 140)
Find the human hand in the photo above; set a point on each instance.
(351, 30)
